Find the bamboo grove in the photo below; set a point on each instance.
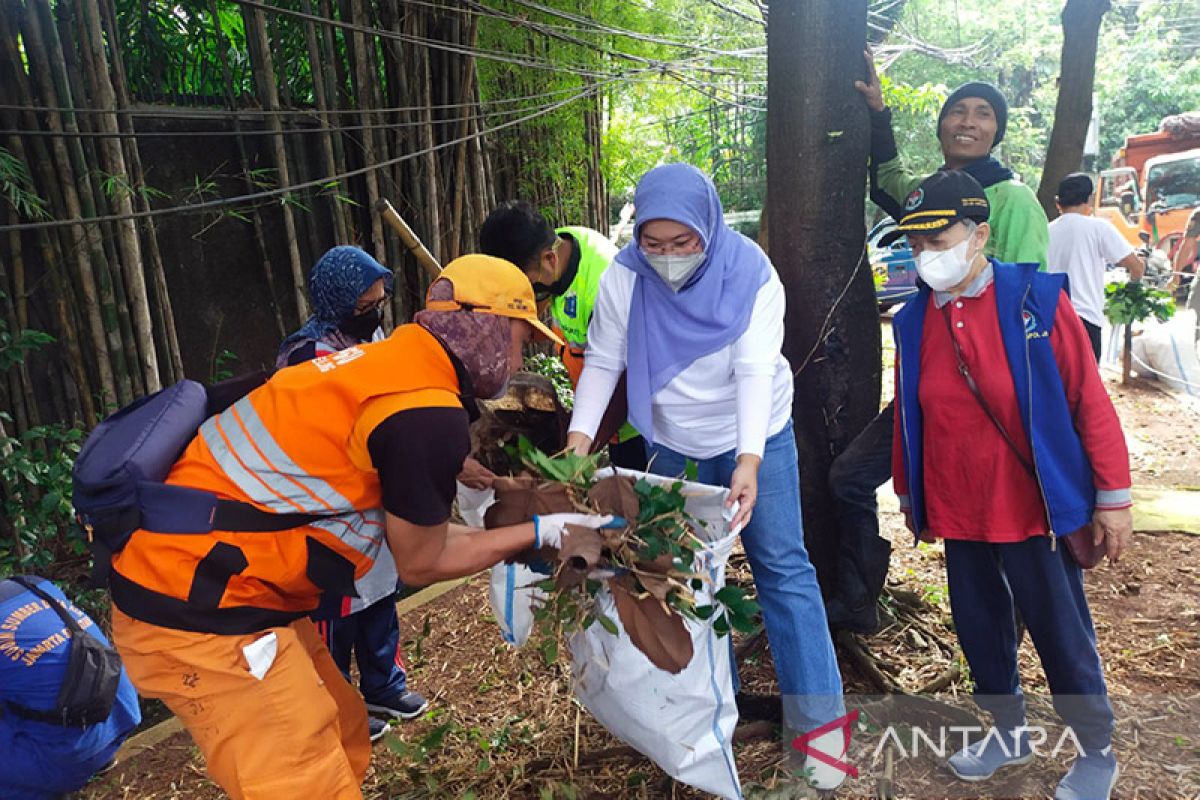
(384, 92)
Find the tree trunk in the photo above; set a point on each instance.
(462, 185)
(1073, 111)
(817, 144)
(1127, 354)
(433, 237)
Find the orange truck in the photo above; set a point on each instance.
(1154, 183)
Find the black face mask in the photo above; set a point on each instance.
(543, 291)
(362, 326)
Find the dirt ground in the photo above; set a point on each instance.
(504, 724)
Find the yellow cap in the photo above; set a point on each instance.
(491, 286)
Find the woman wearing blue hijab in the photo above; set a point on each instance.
(695, 317)
(348, 289)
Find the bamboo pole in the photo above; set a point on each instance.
(341, 225)
(264, 75)
(411, 241)
(244, 159)
(104, 96)
(363, 80)
(459, 237)
(80, 257)
(21, 402)
(432, 195)
(69, 80)
(168, 339)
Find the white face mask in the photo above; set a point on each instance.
(675, 270)
(944, 269)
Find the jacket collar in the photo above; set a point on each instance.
(977, 287)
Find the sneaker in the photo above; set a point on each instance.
(406, 705)
(979, 761)
(1091, 777)
(377, 728)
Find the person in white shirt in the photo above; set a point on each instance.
(1081, 245)
(693, 311)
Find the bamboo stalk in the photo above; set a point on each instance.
(467, 83)
(363, 79)
(341, 225)
(104, 96)
(168, 339)
(36, 51)
(264, 74)
(21, 402)
(432, 196)
(69, 80)
(244, 158)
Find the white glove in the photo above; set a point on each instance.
(548, 528)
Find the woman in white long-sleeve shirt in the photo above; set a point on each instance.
(693, 312)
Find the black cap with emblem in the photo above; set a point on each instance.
(944, 198)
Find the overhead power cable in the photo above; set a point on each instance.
(221, 202)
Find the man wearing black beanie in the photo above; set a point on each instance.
(972, 122)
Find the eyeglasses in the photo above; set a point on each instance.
(378, 305)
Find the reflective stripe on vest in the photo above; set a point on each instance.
(284, 448)
(248, 454)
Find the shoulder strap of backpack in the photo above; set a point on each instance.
(58, 608)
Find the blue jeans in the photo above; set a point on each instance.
(792, 608)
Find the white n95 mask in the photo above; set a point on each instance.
(675, 270)
(943, 269)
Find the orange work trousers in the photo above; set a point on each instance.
(301, 731)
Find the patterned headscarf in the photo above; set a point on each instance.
(479, 340)
(335, 283)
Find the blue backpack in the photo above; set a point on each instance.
(118, 479)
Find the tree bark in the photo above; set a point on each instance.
(817, 144)
(1073, 112)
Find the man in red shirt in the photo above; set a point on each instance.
(1005, 439)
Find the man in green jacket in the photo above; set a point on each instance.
(564, 265)
(971, 123)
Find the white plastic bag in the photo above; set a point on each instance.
(683, 722)
(511, 591)
(1167, 351)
